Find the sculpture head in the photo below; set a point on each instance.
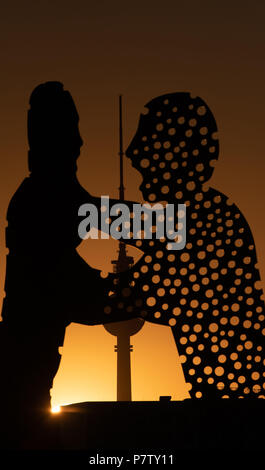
(174, 147)
(53, 132)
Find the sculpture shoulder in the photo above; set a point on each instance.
(219, 218)
(225, 211)
(233, 216)
(35, 194)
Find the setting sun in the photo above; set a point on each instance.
(56, 409)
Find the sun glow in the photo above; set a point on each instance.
(56, 409)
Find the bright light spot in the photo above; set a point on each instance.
(56, 409)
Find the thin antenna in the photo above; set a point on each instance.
(121, 153)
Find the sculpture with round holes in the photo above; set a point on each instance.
(209, 292)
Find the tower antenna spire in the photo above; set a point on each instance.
(123, 330)
(121, 153)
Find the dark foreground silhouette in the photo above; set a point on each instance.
(163, 425)
(92, 430)
(48, 285)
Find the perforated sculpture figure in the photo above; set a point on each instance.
(208, 293)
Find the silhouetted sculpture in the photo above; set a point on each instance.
(208, 292)
(48, 284)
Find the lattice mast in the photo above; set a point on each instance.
(123, 262)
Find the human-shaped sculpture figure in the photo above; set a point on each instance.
(48, 284)
(208, 292)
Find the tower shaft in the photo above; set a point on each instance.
(123, 348)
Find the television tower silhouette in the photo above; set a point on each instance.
(123, 330)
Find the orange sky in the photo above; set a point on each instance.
(141, 49)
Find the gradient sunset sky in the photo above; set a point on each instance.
(140, 49)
